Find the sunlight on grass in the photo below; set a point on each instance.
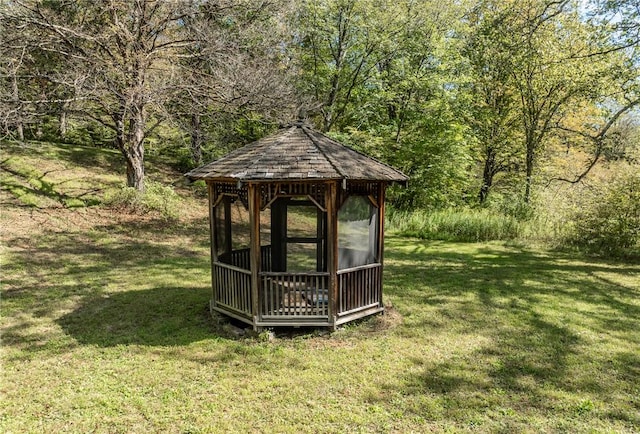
(491, 337)
(105, 328)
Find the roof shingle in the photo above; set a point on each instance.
(296, 153)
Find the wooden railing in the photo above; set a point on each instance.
(294, 294)
(359, 288)
(232, 288)
(265, 258)
(241, 258)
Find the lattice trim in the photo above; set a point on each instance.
(230, 189)
(270, 192)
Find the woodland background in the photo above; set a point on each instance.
(514, 119)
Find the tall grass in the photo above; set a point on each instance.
(157, 197)
(464, 225)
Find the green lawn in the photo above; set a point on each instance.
(105, 328)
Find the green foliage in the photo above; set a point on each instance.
(463, 225)
(511, 204)
(157, 197)
(608, 221)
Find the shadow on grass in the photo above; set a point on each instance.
(154, 317)
(128, 282)
(532, 328)
(27, 182)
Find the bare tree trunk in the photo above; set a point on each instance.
(196, 139)
(135, 170)
(529, 162)
(130, 140)
(16, 99)
(62, 122)
(135, 164)
(40, 109)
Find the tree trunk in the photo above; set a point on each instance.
(16, 98)
(135, 171)
(487, 176)
(20, 130)
(63, 123)
(131, 145)
(135, 167)
(39, 130)
(530, 160)
(196, 139)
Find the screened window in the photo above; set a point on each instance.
(357, 232)
(232, 232)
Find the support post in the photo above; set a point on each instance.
(381, 208)
(212, 232)
(254, 223)
(331, 204)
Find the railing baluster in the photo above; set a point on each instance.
(359, 287)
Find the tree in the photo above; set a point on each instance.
(532, 61)
(614, 44)
(383, 76)
(12, 108)
(493, 113)
(120, 61)
(234, 71)
(341, 43)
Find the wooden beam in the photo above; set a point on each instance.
(254, 223)
(331, 202)
(212, 233)
(228, 239)
(381, 209)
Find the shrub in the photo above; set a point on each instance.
(156, 198)
(609, 219)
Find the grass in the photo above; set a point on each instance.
(463, 225)
(105, 328)
(42, 175)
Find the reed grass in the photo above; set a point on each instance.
(461, 225)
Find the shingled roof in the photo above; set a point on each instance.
(296, 153)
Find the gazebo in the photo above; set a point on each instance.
(297, 230)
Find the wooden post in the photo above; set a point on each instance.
(212, 232)
(381, 193)
(228, 239)
(331, 204)
(254, 223)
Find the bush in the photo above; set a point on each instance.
(609, 219)
(156, 198)
(465, 225)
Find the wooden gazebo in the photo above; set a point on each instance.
(297, 230)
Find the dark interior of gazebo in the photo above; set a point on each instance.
(297, 230)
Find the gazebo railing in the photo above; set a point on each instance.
(288, 297)
(232, 288)
(294, 295)
(241, 258)
(359, 288)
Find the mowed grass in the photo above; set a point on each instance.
(105, 328)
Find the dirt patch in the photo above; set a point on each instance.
(389, 320)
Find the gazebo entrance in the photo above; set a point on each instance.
(296, 248)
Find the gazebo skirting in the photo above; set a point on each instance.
(294, 299)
